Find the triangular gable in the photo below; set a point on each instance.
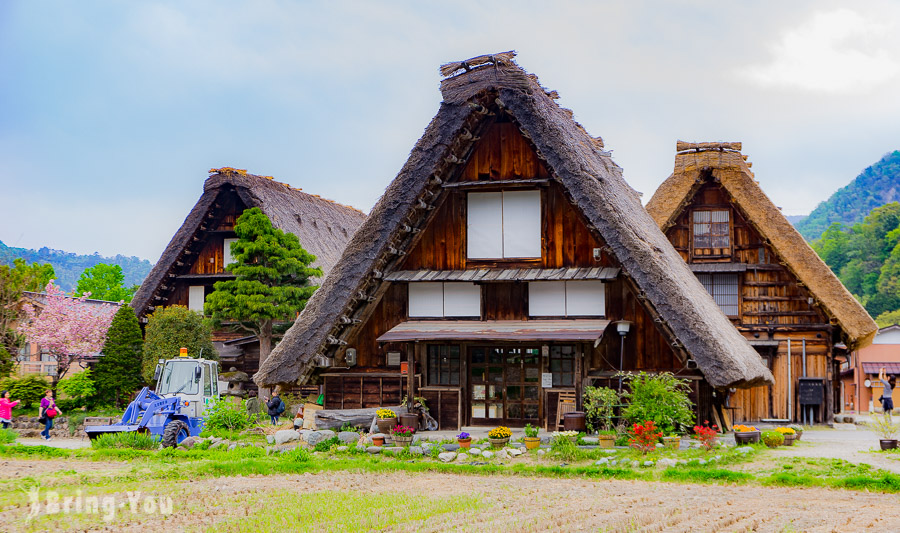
(323, 227)
(682, 307)
(729, 167)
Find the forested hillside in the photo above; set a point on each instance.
(69, 266)
(875, 186)
(866, 257)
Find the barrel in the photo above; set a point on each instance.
(409, 419)
(574, 421)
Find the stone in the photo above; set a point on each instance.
(417, 439)
(514, 452)
(608, 451)
(541, 451)
(660, 445)
(416, 450)
(462, 457)
(343, 448)
(232, 446)
(188, 443)
(602, 461)
(360, 448)
(614, 462)
(648, 463)
(502, 454)
(447, 456)
(450, 447)
(666, 462)
(215, 445)
(718, 458)
(392, 450)
(590, 440)
(305, 433)
(373, 449)
(270, 439)
(475, 451)
(702, 461)
(427, 447)
(318, 436)
(487, 454)
(634, 464)
(348, 437)
(286, 435)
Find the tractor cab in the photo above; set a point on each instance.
(194, 381)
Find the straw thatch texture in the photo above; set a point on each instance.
(594, 184)
(323, 227)
(734, 173)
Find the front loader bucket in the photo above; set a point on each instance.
(95, 431)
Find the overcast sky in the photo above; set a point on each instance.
(112, 112)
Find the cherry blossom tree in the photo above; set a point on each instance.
(67, 328)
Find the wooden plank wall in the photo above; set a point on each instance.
(390, 311)
(444, 406)
(358, 391)
(503, 154)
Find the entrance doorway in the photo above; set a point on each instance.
(505, 385)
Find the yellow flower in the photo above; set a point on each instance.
(385, 413)
(501, 432)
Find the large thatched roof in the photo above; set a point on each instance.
(594, 184)
(323, 227)
(730, 168)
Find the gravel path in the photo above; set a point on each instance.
(845, 443)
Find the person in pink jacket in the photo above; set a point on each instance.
(6, 409)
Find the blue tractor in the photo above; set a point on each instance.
(184, 389)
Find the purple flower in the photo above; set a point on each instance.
(463, 436)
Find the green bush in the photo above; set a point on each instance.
(299, 455)
(29, 389)
(772, 438)
(129, 439)
(225, 414)
(563, 448)
(662, 398)
(8, 436)
(77, 389)
(600, 407)
(325, 445)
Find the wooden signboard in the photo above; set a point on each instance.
(309, 415)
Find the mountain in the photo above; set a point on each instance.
(69, 266)
(795, 219)
(875, 186)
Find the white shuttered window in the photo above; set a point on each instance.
(724, 290)
(504, 225)
(435, 300)
(196, 296)
(228, 258)
(566, 298)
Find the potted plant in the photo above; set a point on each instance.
(745, 434)
(884, 427)
(606, 438)
(499, 436)
(789, 435)
(798, 431)
(532, 440)
(772, 439)
(386, 420)
(672, 442)
(708, 436)
(403, 435)
(464, 440)
(378, 440)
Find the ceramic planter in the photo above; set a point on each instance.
(888, 444)
(378, 441)
(746, 437)
(385, 425)
(464, 443)
(499, 443)
(606, 441)
(532, 443)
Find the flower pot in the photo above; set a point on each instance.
(606, 441)
(401, 440)
(789, 439)
(499, 443)
(410, 420)
(672, 443)
(378, 441)
(464, 443)
(386, 424)
(888, 444)
(746, 437)
(532, 443)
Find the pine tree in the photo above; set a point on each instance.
(118, 373)
(272, 284)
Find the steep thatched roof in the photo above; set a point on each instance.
(323, 227)
(594, 184)
(731, 169)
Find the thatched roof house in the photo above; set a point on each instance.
(196, 251)
(723, 163)
(486, 87)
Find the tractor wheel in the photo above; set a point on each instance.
(174, 432)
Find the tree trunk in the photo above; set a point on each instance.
(265, 347)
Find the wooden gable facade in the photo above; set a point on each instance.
(794, 331)
(196, 257)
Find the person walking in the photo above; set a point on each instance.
(276, 407)
(47, 413)
(887, 400)
(6, 406)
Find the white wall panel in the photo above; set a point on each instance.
(547, 298)
(484, 225)
(196, 296)
(585, 298)
(521, 224)
(462, 299)
(227, 249)
(426, 299)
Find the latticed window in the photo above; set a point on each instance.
(562, 365)
(724, 290)
(443, 365)
(711, 229)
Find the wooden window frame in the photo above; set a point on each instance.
(713, 276)
(440, 356)
(556, 354)
(725, 251)
(502, 258)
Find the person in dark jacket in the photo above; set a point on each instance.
(276, 407)
(888, 382)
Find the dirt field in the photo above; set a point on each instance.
(499, 503)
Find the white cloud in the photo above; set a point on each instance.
(835, 52)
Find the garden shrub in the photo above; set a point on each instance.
(7, 436)
(662, 398)
(599, 406)
(76, 389)
(127, 439)
(325, 445)
(29, 389)
(225, 414)
(300, 455)
(564, 448)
